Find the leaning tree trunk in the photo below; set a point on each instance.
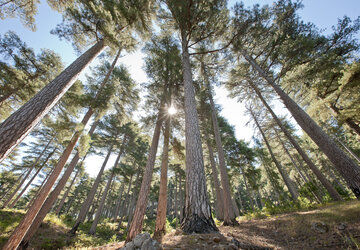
(62, 201)
(218, 192)
(350, 122)
(343, 163)
(291, 188)
(229, 213)
(90, 197)
(317, 197)
(197, 213)
(103, 199)
(16, 127)
(333, 193)
(162, 203)
(24, 179)
(39, 189)
(138, 218)
(46, 207)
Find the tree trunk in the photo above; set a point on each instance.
(16, 127)
(39, 189)
(137, 221)
(249, 193)
(118, 203)
(24, 179)
(102, 202)
(160, 222)
(333, 193)
(46, 207)
(197, 213)
(62, 201)
(219, 199)
(350, 122)
(176, 200)
(287, 180)
(229, 213)
(94, 206)
(89, 199)
(343, 163)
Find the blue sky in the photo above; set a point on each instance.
(324, 13)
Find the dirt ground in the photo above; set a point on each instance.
(333, 227)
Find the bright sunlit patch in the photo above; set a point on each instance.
(172, 110)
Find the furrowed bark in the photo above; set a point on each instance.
(16, 127)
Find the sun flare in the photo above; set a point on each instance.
(172, 110)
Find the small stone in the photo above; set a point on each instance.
(342, 226)
(216, 239)
(320, 227)
(140, 238)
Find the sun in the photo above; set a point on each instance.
(172, 110)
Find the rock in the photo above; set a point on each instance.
(140, 238)
(216, 239)
(150, 244)
(129, 246)
(320, 227)
(342, 226)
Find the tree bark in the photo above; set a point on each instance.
(138, 219)
(160, 222)
(102, 202)
(62, 201)
(333, 193)
(291, 188)
(89, 199)
(229, 213)
(49, 202)
(197, 213)
(343, 163)
(16, 127)
(219, 199)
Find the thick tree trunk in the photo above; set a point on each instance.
(103, 199)
(24, 179)
(333, 193)
(343, 163)
(218, 192)
(137, 221)
(197, 213)
(62, 201)
(15, 128)
(89, 199)
(162, 202)
(287, 180)
(229, 213)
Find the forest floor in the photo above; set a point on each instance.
(332, 226)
